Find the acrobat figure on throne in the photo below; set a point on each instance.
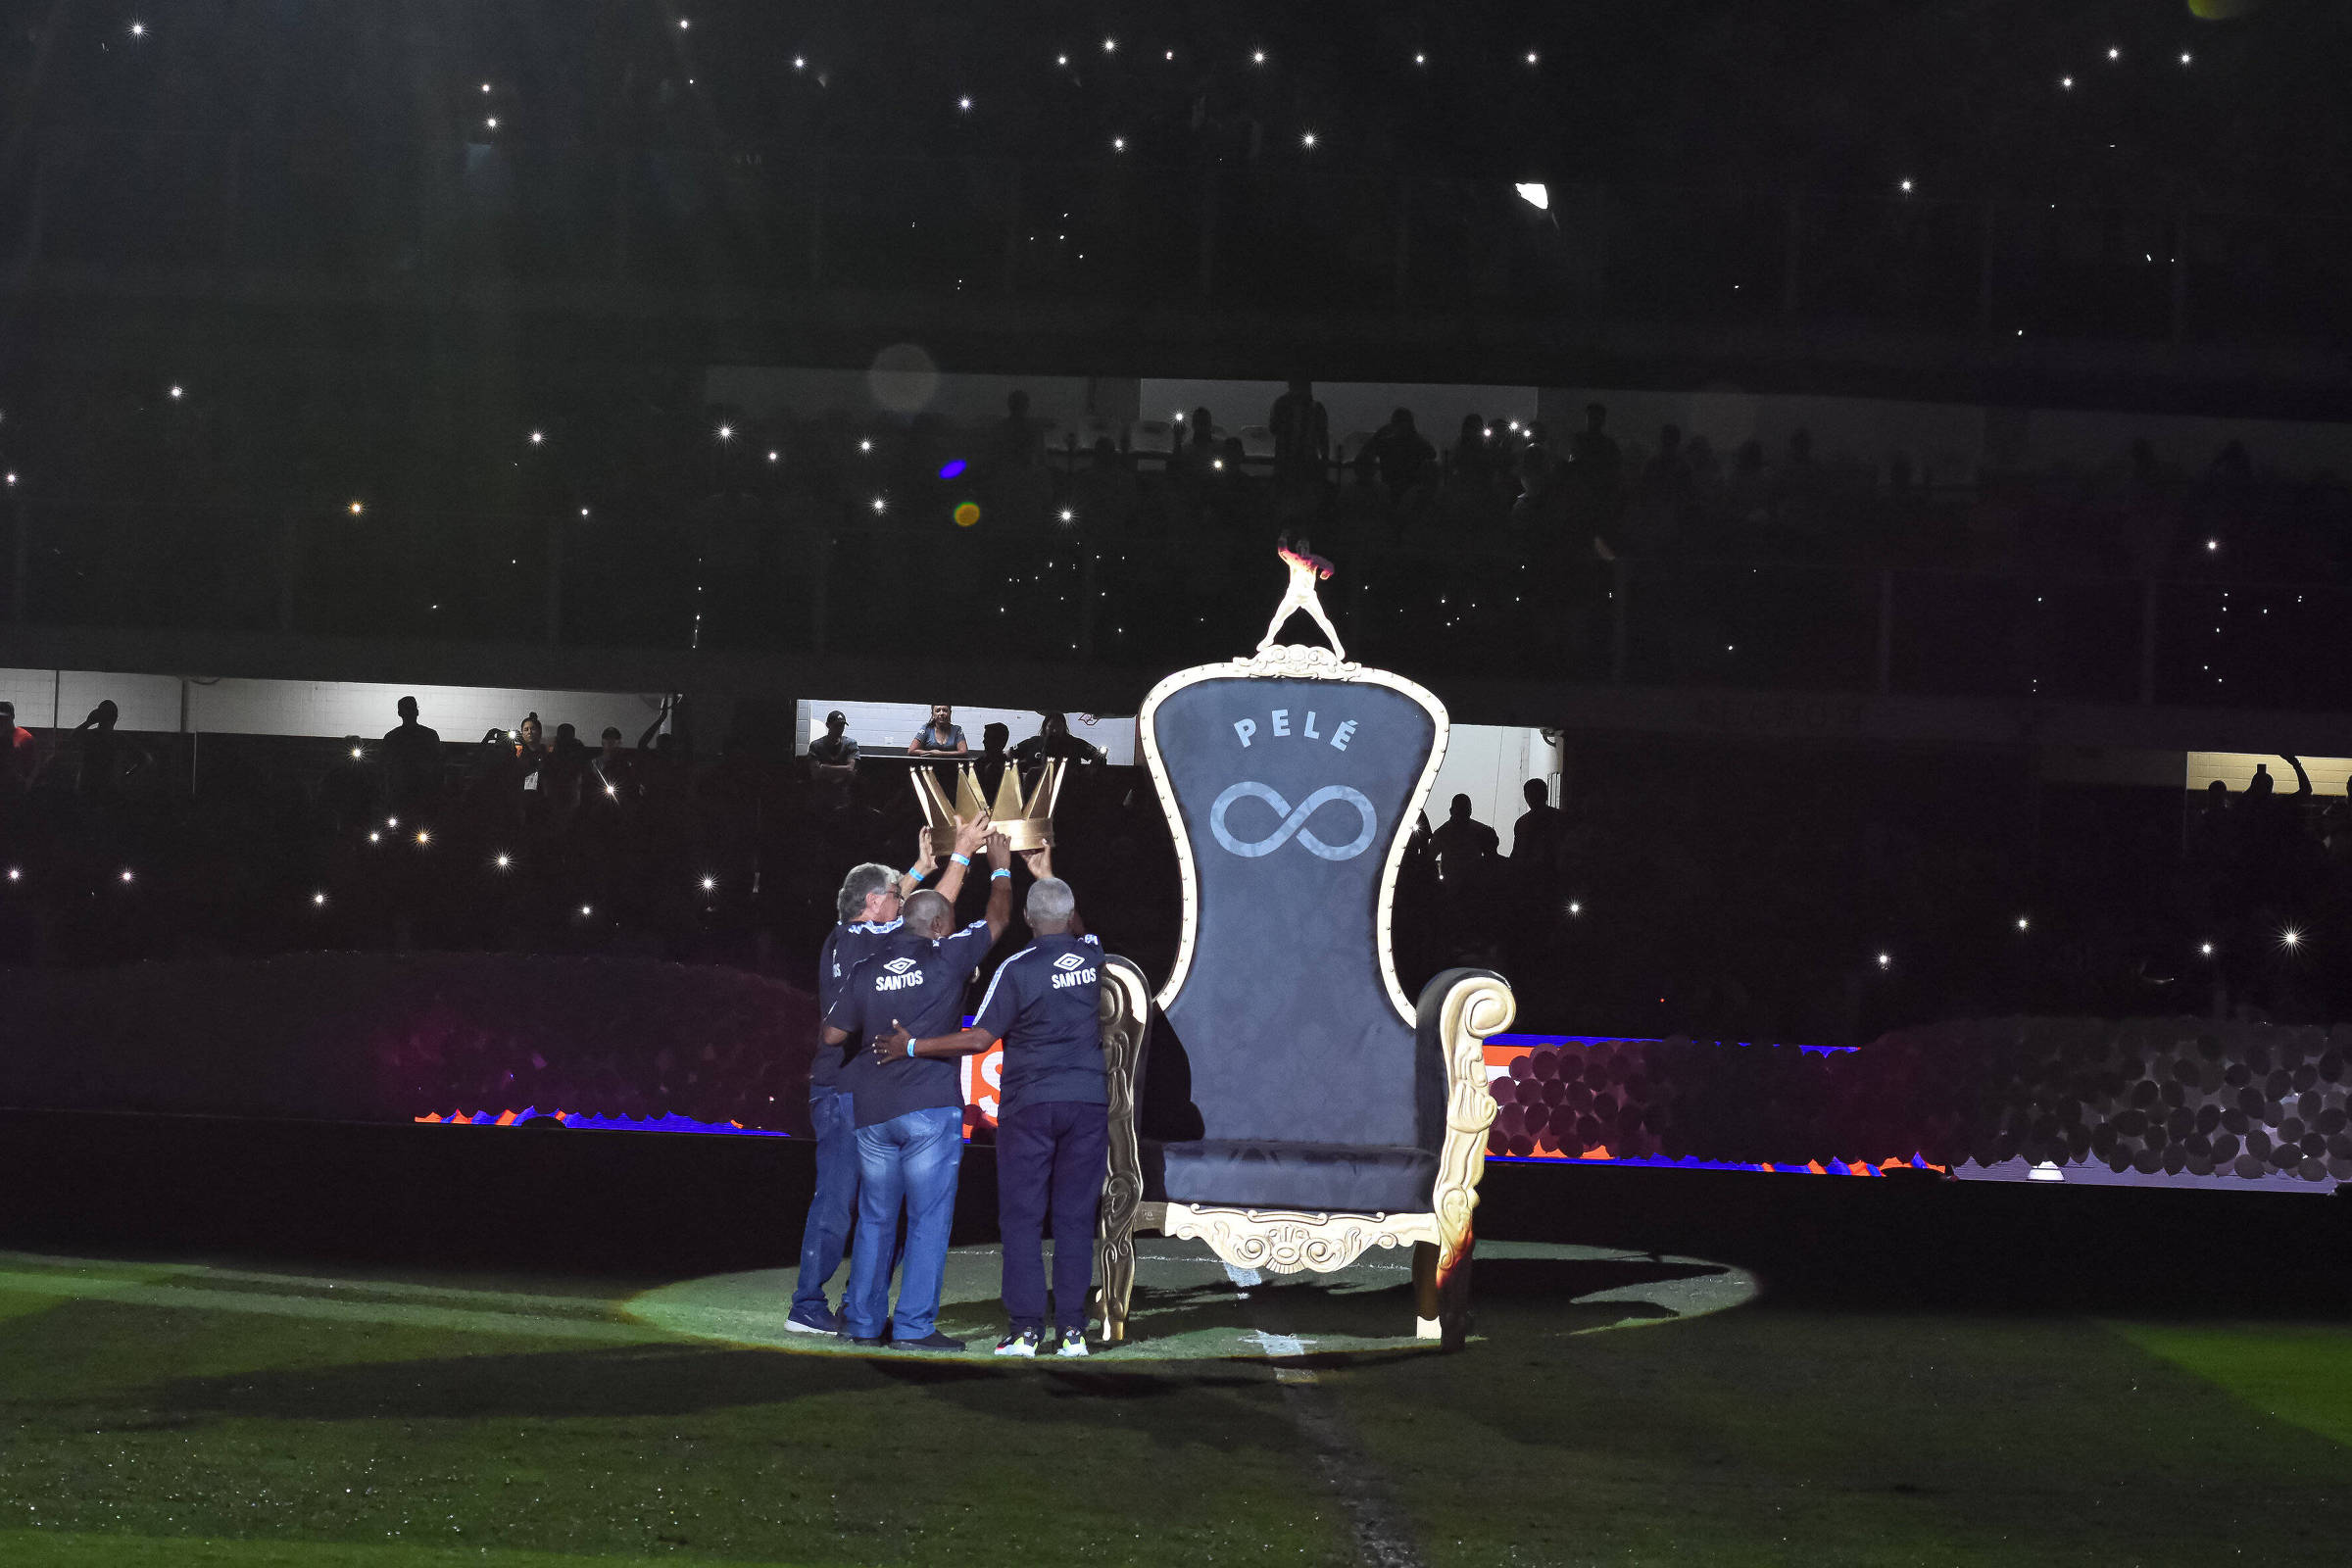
(1306, 568)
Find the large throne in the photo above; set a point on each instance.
(1280, 1098)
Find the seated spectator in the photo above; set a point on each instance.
(1053, 740)
(942, 734)
(833, 755)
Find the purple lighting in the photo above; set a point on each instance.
(953, 468)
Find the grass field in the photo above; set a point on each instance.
(175, 1413)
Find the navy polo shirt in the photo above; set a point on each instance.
(1042, 1004)
(846, 946)
(918, 982)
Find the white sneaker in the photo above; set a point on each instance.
(1073, 1342)
(1022, 1344)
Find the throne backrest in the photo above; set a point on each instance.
(1290, 799)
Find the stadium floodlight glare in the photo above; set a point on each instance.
(1886, 960)
(1535, 194)
(710, 884)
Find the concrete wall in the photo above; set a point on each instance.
(48, 698)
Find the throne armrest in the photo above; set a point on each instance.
(1459, 1009)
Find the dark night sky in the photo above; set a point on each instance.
(1963, 96)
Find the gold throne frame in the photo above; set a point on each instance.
(1287, 1241)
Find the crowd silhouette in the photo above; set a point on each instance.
(1824, 897)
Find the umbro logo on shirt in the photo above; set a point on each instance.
(1077, 970)
(899, 965)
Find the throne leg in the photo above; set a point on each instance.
(1454, 1300)
(1426, 1307)
(1441, 1302)
(1115, 1261)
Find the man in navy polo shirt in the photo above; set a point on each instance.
(1052, 1122)
(868, 906)
(909, 1109)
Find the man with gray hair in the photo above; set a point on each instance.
(1052, 1117)
(868, 909)
(909, 1111)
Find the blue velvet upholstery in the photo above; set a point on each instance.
(1313, 1177)
(1281, 1074)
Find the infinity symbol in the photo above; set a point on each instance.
(1294, 824)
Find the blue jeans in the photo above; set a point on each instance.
(1051, 1158)
(914, 1159)
(827, 1231)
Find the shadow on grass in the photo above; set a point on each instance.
(680, 1380)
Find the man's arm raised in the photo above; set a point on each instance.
(969, 836)
(999, 886)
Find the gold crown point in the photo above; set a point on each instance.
(1026, 823)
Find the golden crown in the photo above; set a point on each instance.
(1027, 825)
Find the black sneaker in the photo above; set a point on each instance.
(1019, 1342)
(933, 1340)
(818, 1319)
(1073, 1342)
